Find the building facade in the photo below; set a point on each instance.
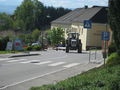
(73, 22)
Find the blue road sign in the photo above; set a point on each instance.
(87, 24)
(106, 36)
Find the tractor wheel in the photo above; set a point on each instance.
(67, 49)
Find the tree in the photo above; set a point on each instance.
(114, 21)
(25, 14)
(35, 35)
(38, 10)
(57, 36)
(33, 14)
(5, 22)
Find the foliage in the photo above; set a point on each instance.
(32, 14)
(29, 48)
(95, 79)
(7, 52)
(5, 22)
(28, 38)
(3, 43)
(113, 59)
(57, 36)
(114, 21)
(25, 14)
(111, 49)
(32, 48)
(36, 47)
(35, 35)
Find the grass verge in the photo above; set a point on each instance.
(103, 78)
(7, 52)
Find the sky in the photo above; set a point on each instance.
(10, 5)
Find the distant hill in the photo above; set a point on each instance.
(7, 9)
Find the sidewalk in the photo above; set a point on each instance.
(53, 77)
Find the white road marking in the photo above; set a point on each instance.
(56, 64)
(16, 60)
(45, 62)
(16, 83)
(71, 65)
(22, 59)
(30, 61)
(3, 59)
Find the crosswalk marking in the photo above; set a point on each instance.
(3, 59)
(22, 59)
(30, 61)
(45, 62)
(49, 63)
(56, 64)
(16, 60)
(71, 65)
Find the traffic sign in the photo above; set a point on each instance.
(106, 36)
(88, 24)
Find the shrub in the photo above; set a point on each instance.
(36, 47)
(29, 48)
(111, 49)
(113, 59)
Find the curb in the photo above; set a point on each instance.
(23, 55)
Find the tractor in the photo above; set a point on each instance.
(73, 42)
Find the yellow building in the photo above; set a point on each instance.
(73, 22)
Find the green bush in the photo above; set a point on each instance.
(111, 49)
(29, 48)
(36, 47)
(113, 59)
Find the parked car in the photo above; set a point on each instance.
(34, 44)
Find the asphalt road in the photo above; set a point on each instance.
(21, 69)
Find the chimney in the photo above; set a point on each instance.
(86, 6)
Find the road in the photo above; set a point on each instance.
(21, 69)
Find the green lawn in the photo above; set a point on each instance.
(103, 78)
(7, 52)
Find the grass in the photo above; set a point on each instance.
(103, 78)
(7, 52)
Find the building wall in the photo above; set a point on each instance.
(83, 33)
(90, 37)
(95, 34)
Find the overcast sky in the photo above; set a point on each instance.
(72, 4)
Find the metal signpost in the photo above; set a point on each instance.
(88, 25)
(105, 39)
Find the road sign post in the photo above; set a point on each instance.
(88, 25)
(105, 39)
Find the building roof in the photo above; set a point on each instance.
(96, 14)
